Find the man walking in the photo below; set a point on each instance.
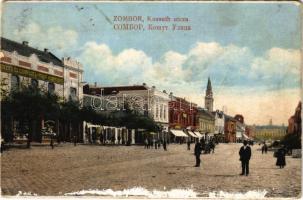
(188, 144)
(245, 154)
(164, 145)
(198, 149)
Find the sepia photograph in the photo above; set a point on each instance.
(151, 99)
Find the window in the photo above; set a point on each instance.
(145, 109)
(73, 93)
(161, 109)
(34, 83)
(15, 81)
(157, 111)
(164, 112)
(51, 88)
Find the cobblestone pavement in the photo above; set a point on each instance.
(66, 168)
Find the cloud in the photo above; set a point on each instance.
(278, 66)
(245, 83)
(54, 38)
(103, 66)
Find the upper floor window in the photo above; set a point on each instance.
(145, 109)
(34, 83)
(161, 109)
(15, 82)
(51, 88)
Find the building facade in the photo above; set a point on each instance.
(206, 123)
(219, 125)
(182, 119)
(23, 65)
(144, 99)
(295, 121)
(230, 129)
(269, 132)
(182, 113)
(241, 133)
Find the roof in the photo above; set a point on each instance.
(205, 112)
(183, 100)
(25, 50)
(227, 117)
(112, 89)
(220, 113)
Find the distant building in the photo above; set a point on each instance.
(206, 122)
(239, 118)
(219, 122)
(209, 100)
(182, 116)
(144, 99)
(240, 128)
(230, 126)
(295, 122)
(268, 132)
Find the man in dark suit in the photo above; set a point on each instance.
(198, 149)
(245, 154)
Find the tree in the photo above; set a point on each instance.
(29, 105)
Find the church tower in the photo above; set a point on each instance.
(209, 100)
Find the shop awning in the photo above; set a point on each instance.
(178, 133)
(210, 134)
(93, 126)
(245, 136)
(192, 134)
(198, 134)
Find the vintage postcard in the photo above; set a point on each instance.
(151, 99)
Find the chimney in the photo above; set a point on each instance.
(95, 84)
(46, 50)
(25, 43)
(171, 95)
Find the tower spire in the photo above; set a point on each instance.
(209, 85)
(209, 100)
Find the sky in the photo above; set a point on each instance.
(250, 51)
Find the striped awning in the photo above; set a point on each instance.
(245, 136)
(210, 134)
(178, 133)
(198, 134)
(192, 134)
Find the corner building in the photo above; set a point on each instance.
(22, 64)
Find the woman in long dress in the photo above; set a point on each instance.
(281, 158)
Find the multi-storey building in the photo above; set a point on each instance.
(219, 125)
(241, 133)
(230, 129)
(269, 132)
(295, 122)
(22, 64)
(142, 98)
(182, 117)
(206, 123)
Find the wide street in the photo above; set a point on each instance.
(44, 171)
